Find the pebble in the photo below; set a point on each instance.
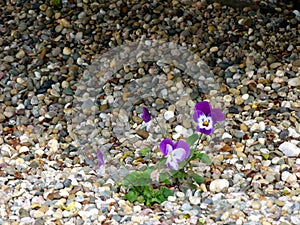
(168, 115)
(294, 82)
(289, 149)
(219, 185)
(47, 53)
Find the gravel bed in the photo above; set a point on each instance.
(74, 79)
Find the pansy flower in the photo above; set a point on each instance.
(175, 153)
(206, 117)
(101, 166)
(146, 116)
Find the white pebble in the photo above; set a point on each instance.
(262, 126)
(255, 127)
(288, 177)
(289, 149)
(275, 129)
(169, 115)
(226, 135)
(219, 185)
(53, 145)
(245, 96)
(23, 149)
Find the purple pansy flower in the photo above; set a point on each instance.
(146, 116)
(175, 153)
(206, 117)
(101, 167)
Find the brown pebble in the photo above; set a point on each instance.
(142, 133)
(243, 127)
(103, 107)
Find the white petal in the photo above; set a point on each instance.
(169, 149)
(172, 164)
(178, 154)
(203, 118)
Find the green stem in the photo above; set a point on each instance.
(188, 161)
(162, 130)
(200, 136)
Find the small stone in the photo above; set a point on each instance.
(219, 185)
(194, 200)
(255, 127)
(43, 7)
(245, 96)
(294, 82)
(67, 51)
(142, 133)
(226, 136)
(227, 98)
(275, 65)
(169, 115)
(238, 100)
(38, 214)
(279, 203)
(256, 205)
(23, 149)
(289, 149)
(296, 63)
(262, 126)
(213, 49)
(243, 127)
(8, 59)
(20, 54)
(57, 214)
(288, 177)
(53, 145)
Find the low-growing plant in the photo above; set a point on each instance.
(156, 183)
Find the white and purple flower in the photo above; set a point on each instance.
(175, 153)
(206, 117)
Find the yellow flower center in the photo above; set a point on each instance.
(205, 123)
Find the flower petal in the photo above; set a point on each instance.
(205, 131)
(183, 145)
(197, 114)
(100, 158)
(146, 116)
(179, 154)
(217, 115)
(166, 146)
(172, 164)
(203, 107)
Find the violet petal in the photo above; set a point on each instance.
(146, 116)
(166, 146)
(217, 115)
(182, 144)
(100, 158)
(204, 107)
(205, 131)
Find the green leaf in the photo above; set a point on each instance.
(167, 192)
(162, 195)
(205, 158)
(145, 151)
(138, 178)
(191, 140)
(164, 178)
(202, 156)
(197, 178)
(132, 195)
